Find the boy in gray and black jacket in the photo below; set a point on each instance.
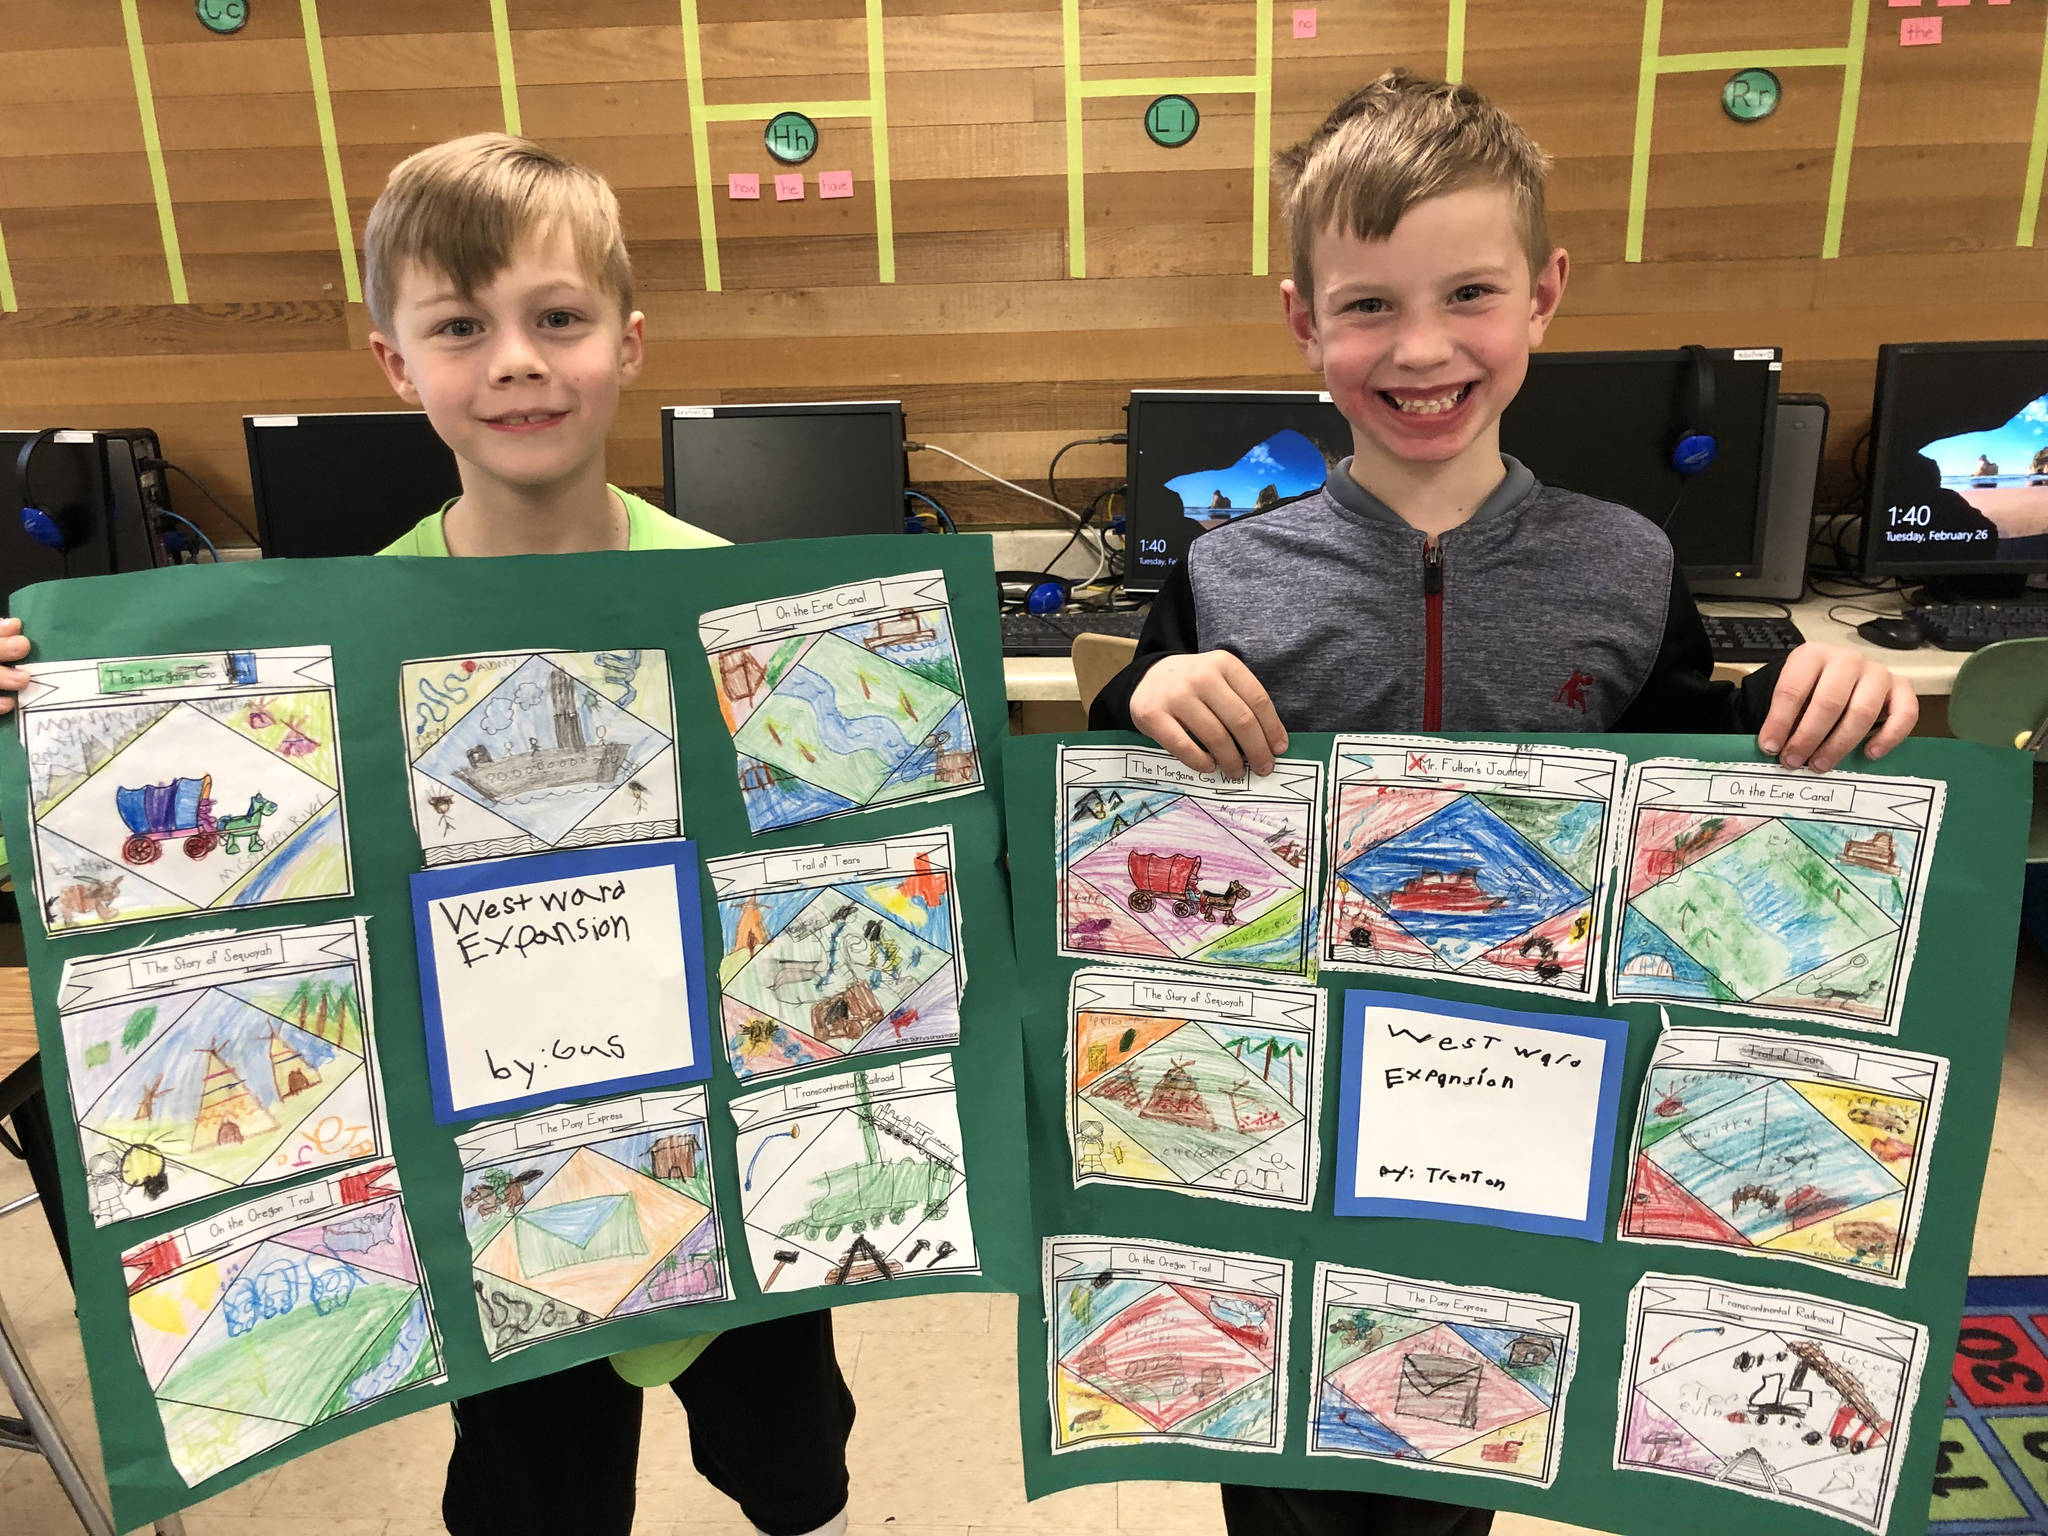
(1433, 584)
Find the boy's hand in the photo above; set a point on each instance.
(1835, 695)
(1210, 713)
(13, 647)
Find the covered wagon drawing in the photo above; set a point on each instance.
(159, 813)
(1177, 877)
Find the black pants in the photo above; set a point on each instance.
(558, 1455)
(1312, 1512)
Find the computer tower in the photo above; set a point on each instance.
(90, 480)
(1788, 510)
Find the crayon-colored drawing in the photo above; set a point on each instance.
(1780, 1396)
(570, 1225)
(1484, 864)
(248, 1061)
(1741, 900)
(1454, 1377)
(1785, 1146)
(1209, 1091)
(166, 785)
(1198, 873)
(316, 1306)
(1150, 1351)
(525, 751)
(855, 1179)
(849, 698)
(818, 966)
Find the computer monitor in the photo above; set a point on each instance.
(1199, 458)
(1605, 424)
(88, 481)
(1601, 423)
(344, 483)
(751, 473)
(1959, 465)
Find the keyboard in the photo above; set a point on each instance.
(1745, 639)
(1052, 634)
(1972, 626)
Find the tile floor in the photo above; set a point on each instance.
(387, 1481)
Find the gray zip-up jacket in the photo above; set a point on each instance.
(1545, 611)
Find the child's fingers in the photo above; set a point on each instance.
(13, 643)
(1254, 694)
(1201, 723)
(1832, 691)
(1857, 719)
(1901, 714)
(1170, 734)
(1788, 699)
(1248, 734)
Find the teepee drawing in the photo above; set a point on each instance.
(228, 1111)
(290, 1071)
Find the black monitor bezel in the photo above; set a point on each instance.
(891, 409)
(1773, 361)
(266, 421)
(1881, 431)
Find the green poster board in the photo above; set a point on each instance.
(1955, 1009)
(376, 615)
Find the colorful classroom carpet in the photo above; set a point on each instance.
(1992, 1474)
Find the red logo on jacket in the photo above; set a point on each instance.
(1572, 691)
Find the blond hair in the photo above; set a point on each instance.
(1396, 142)
(462, 208)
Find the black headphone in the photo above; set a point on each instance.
(1696, 449)
(57, 527)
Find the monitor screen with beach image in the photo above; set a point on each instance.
(1201, 459)
(1959, 465)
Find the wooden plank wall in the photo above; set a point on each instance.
(995, 350)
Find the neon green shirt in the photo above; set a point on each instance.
(647, 527)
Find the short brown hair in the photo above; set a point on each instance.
(463, 207)
(1396, 142)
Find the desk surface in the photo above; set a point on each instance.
(17, 1021)
(1050, 679)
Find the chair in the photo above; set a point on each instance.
(2000, 698)
(1098, 658)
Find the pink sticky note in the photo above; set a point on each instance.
(790, 188)
(1951, 2)
(742, 186)
(835, 183)
(1919, 31)
(1896, 3)
(1305, 22)
(1998, 2)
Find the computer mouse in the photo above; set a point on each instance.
(1900, 634)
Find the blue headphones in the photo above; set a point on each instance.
(1696, 449)
(56, 527)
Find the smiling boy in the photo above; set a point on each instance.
(1433, 584)
(502, 298)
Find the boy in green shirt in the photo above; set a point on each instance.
(498, 282)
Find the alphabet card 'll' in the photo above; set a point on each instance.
(561, 976)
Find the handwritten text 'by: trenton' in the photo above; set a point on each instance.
(1480, 1061)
